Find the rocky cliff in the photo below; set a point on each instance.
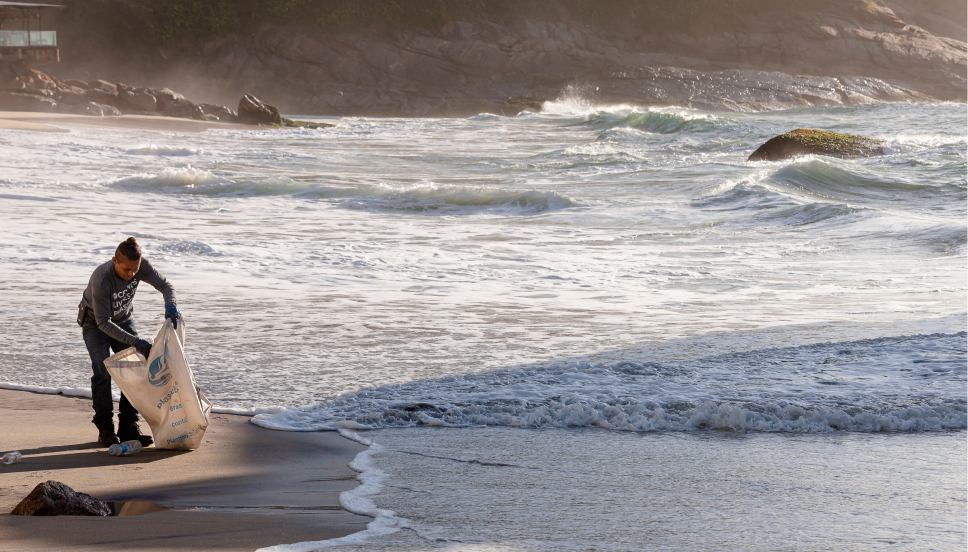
(853, 52)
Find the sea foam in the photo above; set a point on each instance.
(913, 383)
(357, 501)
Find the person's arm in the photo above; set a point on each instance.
(102, 315)
(147, 273)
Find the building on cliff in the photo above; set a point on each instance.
(24, 40)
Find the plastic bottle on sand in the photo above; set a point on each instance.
(12, 457)
(127, 448)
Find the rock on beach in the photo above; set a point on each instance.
(136, 99)
(219, 112)
(254, 111)
(25, 89)
(53, 498)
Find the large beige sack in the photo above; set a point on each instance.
(163, 390)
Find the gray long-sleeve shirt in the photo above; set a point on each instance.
(110, 298)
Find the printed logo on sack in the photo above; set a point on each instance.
(158, 373)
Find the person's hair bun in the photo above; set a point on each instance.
(128, 249)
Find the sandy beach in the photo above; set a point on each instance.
(56, 122)
(245, 488)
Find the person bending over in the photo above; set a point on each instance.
(107, 324)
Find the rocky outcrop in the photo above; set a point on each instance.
(254, 112)
(219, 113)
(849, 39)
(53, 498)
(183, 108)
(87, 108)
(102, 92)
(136, 99)
(17, 77)
(854, 52)
(943, 19)
(807, 141)
(24, 89)
(21, 101)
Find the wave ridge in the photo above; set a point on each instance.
(170, 179)
(162, 149)
(436, 199)
(664, 121)
(829, 179)
(428, 198)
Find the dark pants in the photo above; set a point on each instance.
(99, 346)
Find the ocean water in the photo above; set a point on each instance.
(588, 328)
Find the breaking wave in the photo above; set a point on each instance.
(193, 181)
(171, 179)
(161, 149)
(431, 199)
(426, 199)
(665, 121)
(908, 383)
(578, 102)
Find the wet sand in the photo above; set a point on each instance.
(59, 122)
(246, 487)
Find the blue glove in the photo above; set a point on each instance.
(143, 347)
(171, 311)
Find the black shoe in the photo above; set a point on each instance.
(129, 431)
(106, 436)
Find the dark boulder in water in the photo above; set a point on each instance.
(53, 498)
(808, 141)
